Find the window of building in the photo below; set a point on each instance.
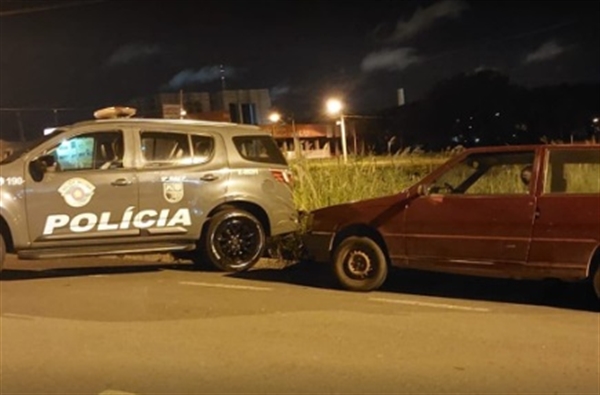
(234, 112)
(249, 114)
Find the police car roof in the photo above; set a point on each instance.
(232, 127)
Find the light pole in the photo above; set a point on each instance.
(182, 112)
(275, 117)
(335, 107)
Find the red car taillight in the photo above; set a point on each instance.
(284, 176)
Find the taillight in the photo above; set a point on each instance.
(284, 176)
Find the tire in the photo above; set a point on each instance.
(234, 240)
(2, 251)
(359, 264)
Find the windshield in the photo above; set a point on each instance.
(29, 146)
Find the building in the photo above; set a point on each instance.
(244, 106)
(239, 106)
(251, 107)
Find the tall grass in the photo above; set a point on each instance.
(324, 182)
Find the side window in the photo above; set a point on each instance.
(165, 149)
(488, 174)
(259, 149)
(572, 171)
(203, 148)
(90, 151)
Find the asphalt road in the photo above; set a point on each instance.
(114, 326)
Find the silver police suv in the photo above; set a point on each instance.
(213, 192)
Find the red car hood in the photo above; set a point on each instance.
(372, 212)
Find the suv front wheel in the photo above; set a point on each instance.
(234, 240)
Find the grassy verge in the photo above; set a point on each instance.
(320, 183)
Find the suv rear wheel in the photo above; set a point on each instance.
(234, 240)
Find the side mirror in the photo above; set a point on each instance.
(39, 166)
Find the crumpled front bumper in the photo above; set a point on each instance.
(317, 246)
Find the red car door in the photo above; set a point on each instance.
(477, 216)
(567, 228)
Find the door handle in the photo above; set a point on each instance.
(121, 182)
(209, 177)
(536, 214)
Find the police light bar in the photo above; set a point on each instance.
(115, 112)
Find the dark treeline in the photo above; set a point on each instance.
(485, 108)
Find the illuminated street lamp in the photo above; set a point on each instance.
(275, 118)
(335, 107)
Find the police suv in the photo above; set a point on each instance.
(215, 192)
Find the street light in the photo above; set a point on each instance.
(335, 107)
(275, 117)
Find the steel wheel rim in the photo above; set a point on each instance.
(358, 264)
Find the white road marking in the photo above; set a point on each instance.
(116, 392)
(428, 304)
(228, 286)
(19, 316)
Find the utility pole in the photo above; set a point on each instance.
(222, 72)
(297, 148)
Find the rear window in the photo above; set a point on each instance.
(261, 149)
(573, 171)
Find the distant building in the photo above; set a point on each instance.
(244, 106)
(315, 140)
(238, 106)
(251, 107)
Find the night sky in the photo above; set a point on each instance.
(90, 54)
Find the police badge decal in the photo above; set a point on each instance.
(172, 189)
(77, 192)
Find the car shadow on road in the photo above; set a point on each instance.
(74, 271)
(576, 296)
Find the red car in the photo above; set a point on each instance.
(523, 212)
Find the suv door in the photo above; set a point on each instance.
(181, 176)
(87, 191)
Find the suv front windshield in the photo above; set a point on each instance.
(29, 146)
